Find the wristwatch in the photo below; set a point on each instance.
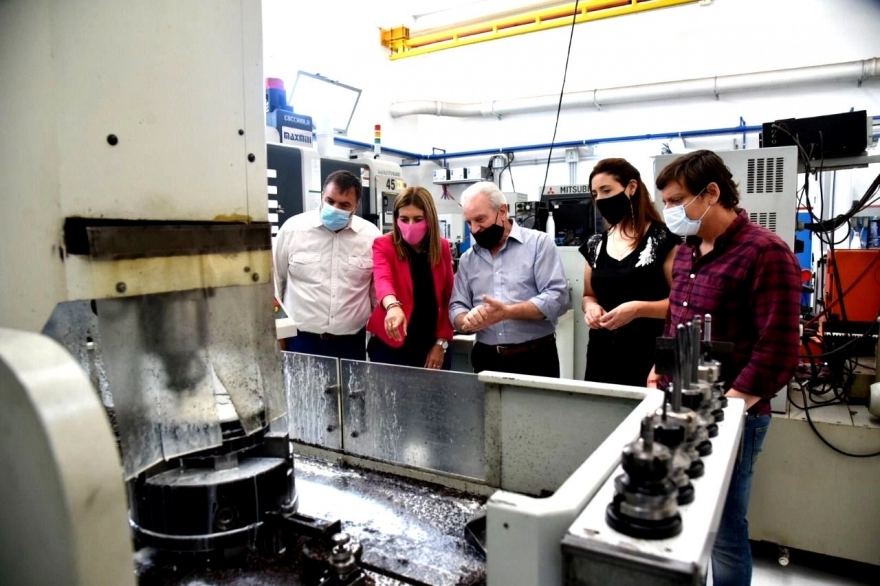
(443, 344)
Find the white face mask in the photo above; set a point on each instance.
(678, 222)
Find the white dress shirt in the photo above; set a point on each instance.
(324, 278)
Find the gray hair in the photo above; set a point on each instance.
(487, 188)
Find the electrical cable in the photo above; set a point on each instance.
(819, 224)
(825, 232)
(845, 346)
(832, 260)
(825, 441)
(867, 366)
(815, 404)
(448, 195)
(497, 177)
(561, 92)
(524, 221)
(510, 157)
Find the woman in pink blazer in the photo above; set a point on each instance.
(412, 272)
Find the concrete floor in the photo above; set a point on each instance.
(807, 569)
(768, 572)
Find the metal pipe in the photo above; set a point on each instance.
(546, 146)
(647, 433)
(369, 147)
(710, 87)
(676, 370)
(537, 161)
(684, 341)
(695, 351)
(593, 141)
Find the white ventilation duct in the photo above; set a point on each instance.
(851, 72)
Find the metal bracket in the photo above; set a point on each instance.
(303, 525)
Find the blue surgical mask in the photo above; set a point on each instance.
(678, 222)
(333, 218)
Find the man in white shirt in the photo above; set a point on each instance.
(324, 272)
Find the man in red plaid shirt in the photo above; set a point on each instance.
(748, 279)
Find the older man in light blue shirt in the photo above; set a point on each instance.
(510, 289)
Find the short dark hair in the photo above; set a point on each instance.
(697, 170)
(344, 180)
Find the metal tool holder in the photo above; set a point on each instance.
(645, 503)
(656, 473)
(710, 371)
(695, 426)
(672, 432)
(696, 395)
(623, 542)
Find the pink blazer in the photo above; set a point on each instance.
(392, 276)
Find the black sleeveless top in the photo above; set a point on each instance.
(422, 328)
(626, 355)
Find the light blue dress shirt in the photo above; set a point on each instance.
(527, 268)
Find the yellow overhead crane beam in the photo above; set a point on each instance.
(402, 45)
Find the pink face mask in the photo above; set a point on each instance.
(413, 233)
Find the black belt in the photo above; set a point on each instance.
(509, 349)
(325, 336)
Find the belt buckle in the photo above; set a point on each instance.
(500, 349)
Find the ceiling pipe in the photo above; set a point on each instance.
(712, 87)
(683, 134)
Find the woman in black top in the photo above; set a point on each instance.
(627, 277)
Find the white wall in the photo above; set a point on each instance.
(722, 38)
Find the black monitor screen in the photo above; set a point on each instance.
(575, 220)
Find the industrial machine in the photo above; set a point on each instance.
(665, 495)
(297, 173)
(148, 257)
(545, 452)
(531, 214)
(767, 180)
(574, 214)
(822, 137)
(109, 201)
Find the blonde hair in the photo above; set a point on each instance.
(422, 199)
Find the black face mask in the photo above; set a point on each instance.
(614, 208)
(489, 237)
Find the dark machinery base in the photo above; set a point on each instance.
(640, 528)
(686, 494)
(697, 469)
(216, 501)
(704, 449)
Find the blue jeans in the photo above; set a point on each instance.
(732, 555)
